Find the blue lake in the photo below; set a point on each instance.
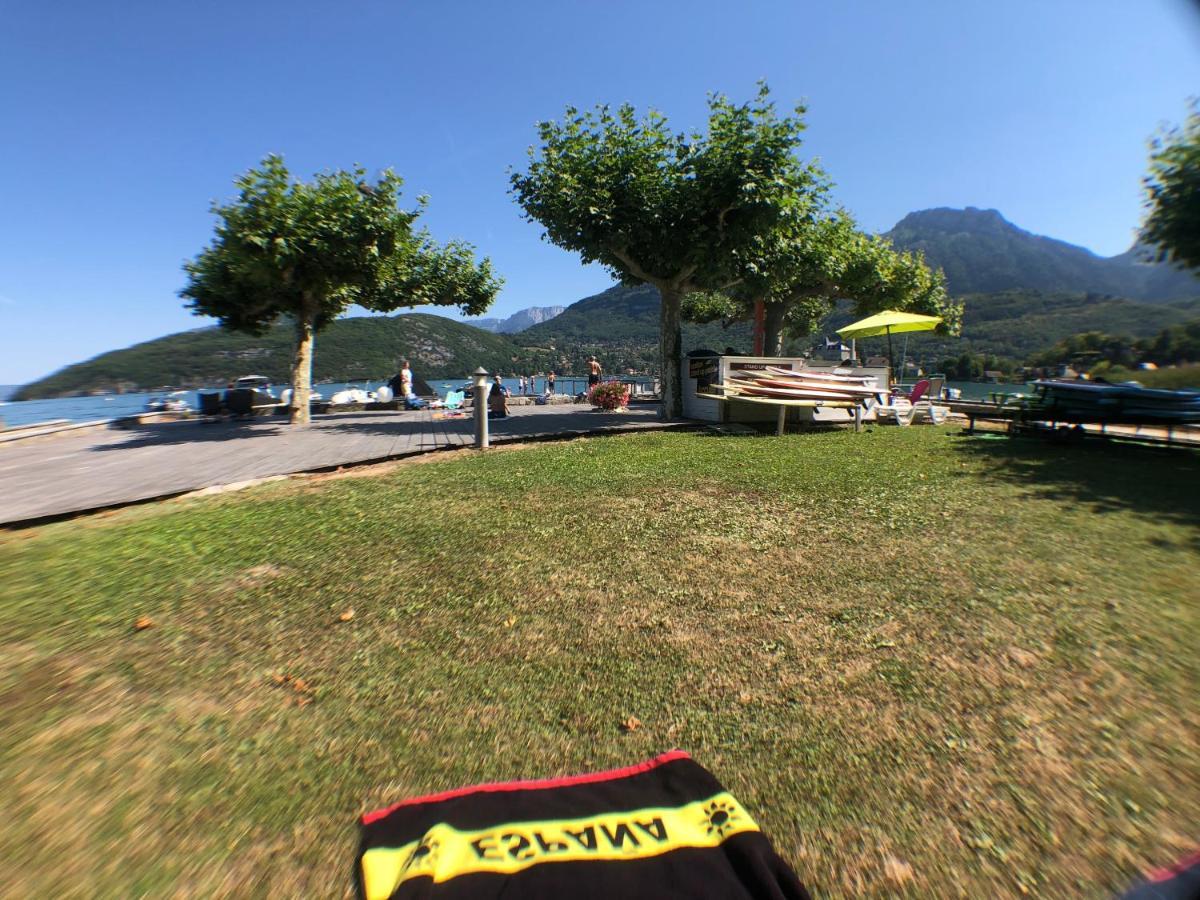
(84, 409)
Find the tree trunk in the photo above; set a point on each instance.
(670, 341)
(773, 344)
(302, 368)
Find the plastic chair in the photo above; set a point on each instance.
(903, 410)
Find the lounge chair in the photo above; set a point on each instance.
(455, 399)
(903, 410)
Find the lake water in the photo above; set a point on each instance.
(110, 406)
(85, 409)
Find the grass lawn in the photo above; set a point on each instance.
(931, 665)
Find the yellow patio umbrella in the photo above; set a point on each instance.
(889, 322)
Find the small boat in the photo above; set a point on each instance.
(285, 396)
(352, 395)
(251, 395)
(176, 401)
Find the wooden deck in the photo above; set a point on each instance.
(76, 473)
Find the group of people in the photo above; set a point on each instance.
(527, 385)
(402, 387)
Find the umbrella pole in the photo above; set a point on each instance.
(891, 358)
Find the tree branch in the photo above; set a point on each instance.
(630, 263)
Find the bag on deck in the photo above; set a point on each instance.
(664, 828)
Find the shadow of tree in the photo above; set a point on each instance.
(522, 422)
(1157, 482)
(166, 433)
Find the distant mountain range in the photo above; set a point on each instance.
(355, 348)
(1023, 292)
(982, 252)
(518, 321)
(620, 325)
(7, 390)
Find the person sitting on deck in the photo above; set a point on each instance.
(498, 400)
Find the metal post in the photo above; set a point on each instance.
(482, 387)
(782, 418)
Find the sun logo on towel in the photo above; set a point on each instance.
(423, 857)
(720, 816)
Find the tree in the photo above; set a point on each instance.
(1172, 223)
(810, 263)
(682, 212)
(307, 251)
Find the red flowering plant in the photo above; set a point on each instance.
(609, 395)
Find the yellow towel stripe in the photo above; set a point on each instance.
(445, 852)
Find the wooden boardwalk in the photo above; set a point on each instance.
(75, 473)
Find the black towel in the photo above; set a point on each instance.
(663, 828)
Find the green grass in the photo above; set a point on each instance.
(1174, 378)
(975, 656)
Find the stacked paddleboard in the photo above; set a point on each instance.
(801, 385)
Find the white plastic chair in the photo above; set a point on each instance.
(919, 402)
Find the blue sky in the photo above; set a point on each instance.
(123, 121)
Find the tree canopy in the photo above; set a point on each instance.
(811, 262)
(684, 212)
(1172, 225)
(309, 250)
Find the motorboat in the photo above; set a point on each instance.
(352, 395)
(285, 397)
(251, 395)
(176, 401)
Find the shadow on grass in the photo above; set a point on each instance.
(1104, 476)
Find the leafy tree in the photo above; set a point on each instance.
(1172, 223)
(683, 212)
(307, 251)
(812, 262)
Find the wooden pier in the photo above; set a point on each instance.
(74, 473)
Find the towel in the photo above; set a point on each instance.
(663, 828)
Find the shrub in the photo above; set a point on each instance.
(609, 395)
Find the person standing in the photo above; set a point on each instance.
(550, 382)
(594, 371)
(406, 380)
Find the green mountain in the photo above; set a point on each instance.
(982, 252)
(1023, 293)
(1020, 323)
(363, 347)
(620, 327)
